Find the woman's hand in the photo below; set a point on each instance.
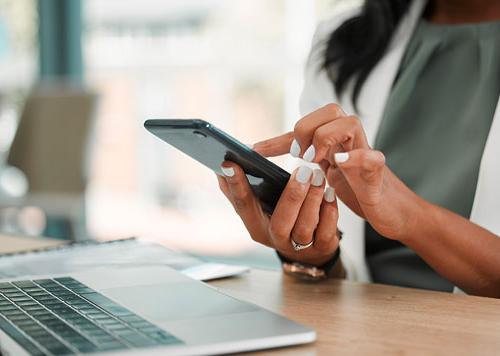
(361, 179)
(305, 212)
(459, 250)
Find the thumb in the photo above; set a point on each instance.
(366, 164)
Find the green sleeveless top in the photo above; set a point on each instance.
(433, 132)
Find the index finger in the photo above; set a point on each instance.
(305, 127)
(275, 146)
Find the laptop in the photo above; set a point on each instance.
(137, 310)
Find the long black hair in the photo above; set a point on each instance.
(355, 47)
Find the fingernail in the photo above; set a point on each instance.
(318, 178)
(329, 194)
(309, 154)
(341, 157)
(228, 171)
(249, 145)
(295, 149)
(303, 174)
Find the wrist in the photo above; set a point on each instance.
(318, 268)
(331, 268)
(416, 213)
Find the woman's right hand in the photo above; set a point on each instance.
(305, 212)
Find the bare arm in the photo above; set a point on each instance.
(463, 252)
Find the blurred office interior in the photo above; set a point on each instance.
(78, 79)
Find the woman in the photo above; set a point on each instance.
(416, 170)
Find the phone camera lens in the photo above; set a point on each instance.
(200, 134)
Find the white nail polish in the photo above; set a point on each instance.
(295, 149)
(318, 177)
(303, 174)
(228, 171)
(330, 195)
(341, 157)
(309, 154)
(249, 145)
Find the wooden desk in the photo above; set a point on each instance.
(360, 319)
(11, 244)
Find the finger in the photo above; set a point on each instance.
(336, 179)
(369, 162)
(288, 207)
(245, 202)
(224, 187)
(304, 128)
(326, 239)
(275, 146)
(324, 164)
(343, 134)
(303, 230)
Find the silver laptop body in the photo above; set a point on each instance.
(178, 315)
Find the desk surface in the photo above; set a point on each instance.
(359, 319)
(11, 244)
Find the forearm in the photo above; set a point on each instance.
(461, 251)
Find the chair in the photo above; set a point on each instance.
(50, 147)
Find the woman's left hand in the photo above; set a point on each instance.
(358, 173)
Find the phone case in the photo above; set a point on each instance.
(210, 146)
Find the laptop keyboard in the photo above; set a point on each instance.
(62, 316)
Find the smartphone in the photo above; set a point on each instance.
(211, 146)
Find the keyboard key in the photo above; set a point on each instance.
(32, 290)
(45, 282)
(131, 318)
(14, 294)
(138, 340)
(59, 349)
(24, 284)
(64, 280)
(19, 337)
(22, 298)
(10, 307)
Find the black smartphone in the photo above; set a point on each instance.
(211, 146)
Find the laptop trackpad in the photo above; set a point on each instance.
(166, 302)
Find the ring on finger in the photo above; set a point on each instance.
(297, 247)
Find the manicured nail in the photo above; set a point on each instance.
(249, 145)
(303, 174)
(295, 149)
(228, 171)
(309, 154)
(329, 194)
(318, 177)
(341, 157)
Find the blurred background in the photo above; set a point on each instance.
(79, 78)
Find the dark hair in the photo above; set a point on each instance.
(355, 47)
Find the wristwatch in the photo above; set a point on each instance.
(309, 272)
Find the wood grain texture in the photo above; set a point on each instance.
(369, 319)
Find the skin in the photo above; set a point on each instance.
(462, 11)
(459, 250)
(301, 212)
